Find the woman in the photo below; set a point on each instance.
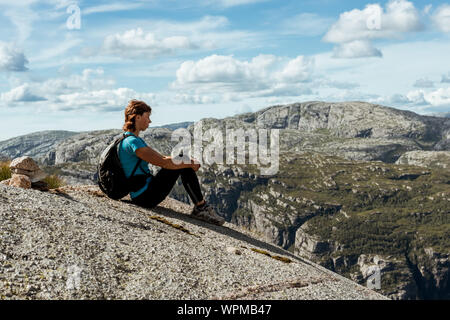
(156, 188)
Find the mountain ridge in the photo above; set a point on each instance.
(322, 125)
(341, 165)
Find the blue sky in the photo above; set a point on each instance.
(74, 65)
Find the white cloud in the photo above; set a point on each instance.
(100, 100)
(402, 64)
(396, 99)
(88, 90)
(401, 16)
(441, 18)
(356, 28)
(183, 98)
(89, 80)
(110, 7)
(375, 23)
(388, 80)
(136, 43)
(21, 93)
(221, 69)
(231, 79)
(296, 70)
(436, 98)
(439, 97)
(233, 3)
(11, 58)
(22, 16)
(416, 97)
(356, 49)
(159, 38)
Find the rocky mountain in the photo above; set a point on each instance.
(359, 186)
(352, 130)
(440, 114)
(73, 243)
(336, 212)
(35, 145)
(428, 159)
(41, 145)
(175, 126)
(337, 128)
(344, 214)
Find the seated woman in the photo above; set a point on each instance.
(156, 188)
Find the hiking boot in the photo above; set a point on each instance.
(208, 214)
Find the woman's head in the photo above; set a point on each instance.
(135, 112)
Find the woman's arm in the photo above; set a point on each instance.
(155, 158)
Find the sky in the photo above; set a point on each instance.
(74, 65)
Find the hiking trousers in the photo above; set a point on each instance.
(162, 183)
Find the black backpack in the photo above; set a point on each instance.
(111, 177)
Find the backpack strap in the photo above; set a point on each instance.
(137, 165)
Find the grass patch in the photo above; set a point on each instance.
(279, 258)
(54, 181)
(5, 171)
(173, 225)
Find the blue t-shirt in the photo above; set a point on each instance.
(128, 159)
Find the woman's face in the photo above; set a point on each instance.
(142, 122)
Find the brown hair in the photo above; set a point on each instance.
(134, 108)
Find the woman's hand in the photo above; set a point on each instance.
(196, 166)
(152, 156)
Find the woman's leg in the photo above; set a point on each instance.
(191, 185)
(161, 185)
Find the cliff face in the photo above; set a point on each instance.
(359, 186)
(37, 145)
(73, 243)
(334, 211)
(427, 159)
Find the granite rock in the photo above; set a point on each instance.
(74, 243)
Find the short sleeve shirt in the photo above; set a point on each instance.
(128, 159)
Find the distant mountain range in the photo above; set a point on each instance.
(39, 144)
(359, 186)
(440, 114)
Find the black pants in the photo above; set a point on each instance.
(163, 182)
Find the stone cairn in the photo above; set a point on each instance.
(25, 173)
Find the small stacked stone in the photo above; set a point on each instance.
(24, 173)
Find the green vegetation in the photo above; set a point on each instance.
(173, 225)
(54, 181)
(370, 208)
(280, 258)
(5, 171)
